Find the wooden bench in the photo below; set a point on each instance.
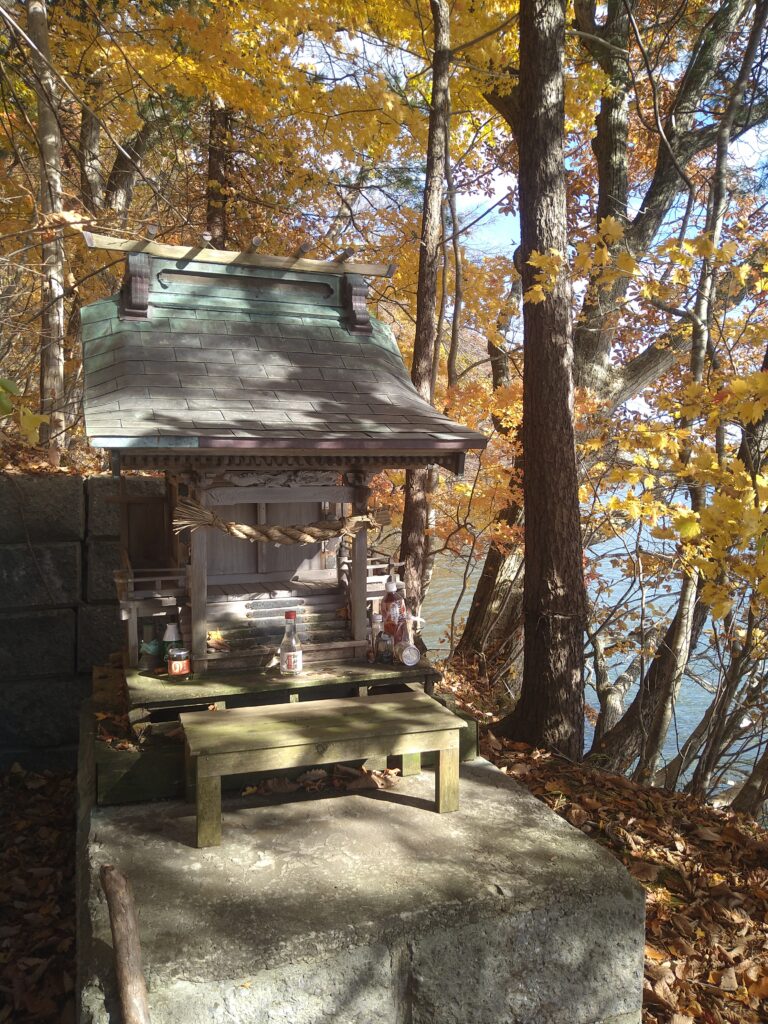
(315, 732)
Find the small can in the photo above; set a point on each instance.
(178, 662)
(407, 654)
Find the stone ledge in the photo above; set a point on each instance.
(37, 643)
(371, 909)
(100, 633)
(102, 559)
(41, 507)
(40, 713)
(39, 575)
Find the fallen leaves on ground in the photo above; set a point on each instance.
(705, 873)
(317, 779)
(475, 688)
(37, 892)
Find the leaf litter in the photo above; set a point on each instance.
(37, 887)
(704, 871)
(340, 777)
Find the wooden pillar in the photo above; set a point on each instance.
(198, 593)
(447, 780)
(358, 575)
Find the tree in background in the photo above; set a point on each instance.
(550, 710)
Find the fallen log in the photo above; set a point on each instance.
(131, 986)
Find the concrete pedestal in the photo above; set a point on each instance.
(368, 909)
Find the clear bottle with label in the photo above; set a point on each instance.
(385, 648)
(291, 656)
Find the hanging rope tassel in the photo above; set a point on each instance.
(190, 515)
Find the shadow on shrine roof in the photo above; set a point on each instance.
(245, 356)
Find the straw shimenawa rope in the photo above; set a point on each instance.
(189, 515)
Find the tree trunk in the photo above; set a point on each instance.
(217, 193)
(91, 177)
(52, 320)
(655, 733)
(550, 711)
(621, 746)
(754, 792)
(458, 270)
(414, 549)
(611, 694)
(118, 192)
(720, 723)
(496, 614)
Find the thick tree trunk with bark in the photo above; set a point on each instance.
(550, 711)
(218, 172)
(118, 192)
(52, 319)
(414, 550)
(754, 792)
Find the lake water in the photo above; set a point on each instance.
(441, 599)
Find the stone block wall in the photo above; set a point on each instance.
(58, 607)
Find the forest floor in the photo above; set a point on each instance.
(705, 872)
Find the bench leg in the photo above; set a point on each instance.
(447, 781)
(189, 775)
(208, 811)
(410, 764)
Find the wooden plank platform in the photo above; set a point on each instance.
(155, 770)
(147, 690)
(315, 732)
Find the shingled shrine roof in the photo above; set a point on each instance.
(201, 355)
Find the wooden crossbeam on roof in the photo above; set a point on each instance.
(228, 257)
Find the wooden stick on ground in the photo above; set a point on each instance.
(132, 988)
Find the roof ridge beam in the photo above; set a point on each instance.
(226, 257)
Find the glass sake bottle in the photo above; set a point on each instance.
(291, 656)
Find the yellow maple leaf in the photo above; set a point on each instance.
(627, 264)
(29, 425)
(687, 524)
(611, 230)
(704, 246)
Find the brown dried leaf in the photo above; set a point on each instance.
(494, 743)
(643, 871)
(577, 816)
(683, 924)
(385, 779)
(759, 990)
(664, 994)
(708, 835)
(655, 955)
(728, 980)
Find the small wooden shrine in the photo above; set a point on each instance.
(267, 395)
